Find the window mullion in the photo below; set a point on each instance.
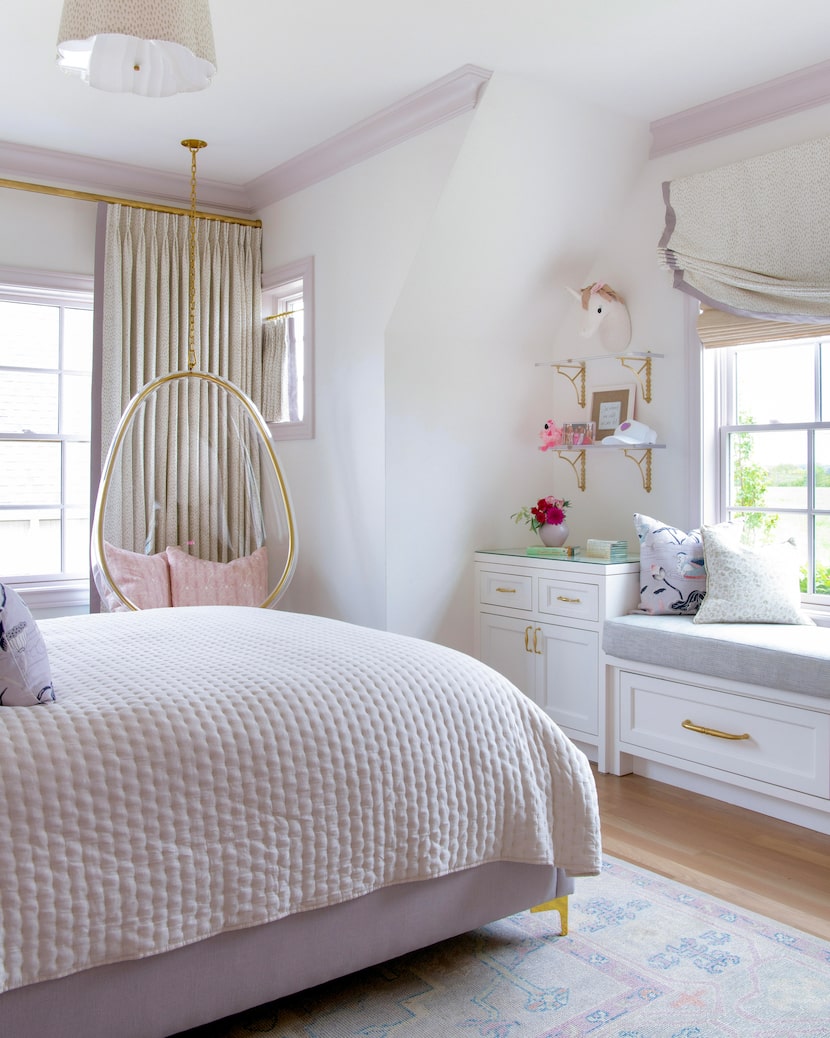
(725, 417)
(811, 508)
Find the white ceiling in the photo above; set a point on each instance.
(293, 74)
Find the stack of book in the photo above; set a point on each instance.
(566, 551)
(614, 551)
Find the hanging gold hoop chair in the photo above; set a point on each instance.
(192, 507)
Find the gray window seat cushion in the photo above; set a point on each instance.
(776, 656)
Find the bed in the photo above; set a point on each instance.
(223, 805)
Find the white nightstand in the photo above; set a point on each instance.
(539, 622)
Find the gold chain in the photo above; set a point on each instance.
(194, 147)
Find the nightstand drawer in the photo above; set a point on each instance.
(514, 590)
(770, 742)
(568, 598)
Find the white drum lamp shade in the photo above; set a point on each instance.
(150, 47)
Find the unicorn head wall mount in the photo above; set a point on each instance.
(605, 315)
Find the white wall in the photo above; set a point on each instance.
(44, 232)
(536, 188)
(363, 228)
(439, 279)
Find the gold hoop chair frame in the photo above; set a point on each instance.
(265, 441)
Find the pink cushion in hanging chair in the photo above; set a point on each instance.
(242, 582)
(144, 579)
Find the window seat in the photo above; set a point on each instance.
(778, 656)
(740, 712)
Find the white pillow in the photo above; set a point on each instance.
(749, 585)
(25, 676)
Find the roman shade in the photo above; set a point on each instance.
(751, 238)
(719, 328)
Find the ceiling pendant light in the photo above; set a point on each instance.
(138, 47)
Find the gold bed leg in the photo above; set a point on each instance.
(560, 905)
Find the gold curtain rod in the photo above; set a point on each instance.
(285, 313)
(88, 196)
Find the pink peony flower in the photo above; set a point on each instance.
(548, 511)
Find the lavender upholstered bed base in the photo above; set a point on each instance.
(161, 995)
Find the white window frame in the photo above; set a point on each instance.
(711, 375)
(49, 595)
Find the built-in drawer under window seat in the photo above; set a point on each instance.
(740, 712)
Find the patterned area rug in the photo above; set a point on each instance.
(645, 958)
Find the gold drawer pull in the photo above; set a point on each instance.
(507, 590)
(528, 629)
(711, 731)
(564, 598)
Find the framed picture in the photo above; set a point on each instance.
(611, 405)
(578, 434)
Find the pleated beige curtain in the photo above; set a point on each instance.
(274, 384)
(279, 370)
(181, 480)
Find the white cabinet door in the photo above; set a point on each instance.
(569, 677)
(507, 646)
(556, 666)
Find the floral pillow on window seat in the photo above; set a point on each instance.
(672, 570)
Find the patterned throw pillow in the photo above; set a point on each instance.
(672, 573)
(750, 585)
(198, 582)
(25, 676)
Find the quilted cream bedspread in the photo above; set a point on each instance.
(206, 769)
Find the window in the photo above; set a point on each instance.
(288, 296)
(771, 455)
(45, 389)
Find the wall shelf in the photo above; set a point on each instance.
(640, 454)
(639, 363)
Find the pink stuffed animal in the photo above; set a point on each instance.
(551, 435)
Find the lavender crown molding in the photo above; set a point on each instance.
(446, 98)
(101, 176)
(453, 95)
(785, 95)
(456, 93)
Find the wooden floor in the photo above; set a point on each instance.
(778, 870)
